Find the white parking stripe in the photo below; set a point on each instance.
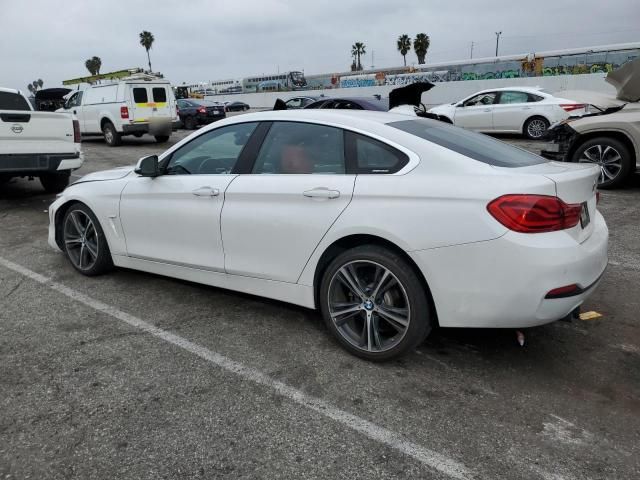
(382, 435)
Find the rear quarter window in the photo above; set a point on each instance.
(13, 101)
(473, 145)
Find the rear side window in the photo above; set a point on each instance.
(514, 97)
(12, 101)
(535, 98)
(474, 145)
(140, 95)
(159, 94)
(372, 156)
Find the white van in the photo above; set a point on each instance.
(127, 107)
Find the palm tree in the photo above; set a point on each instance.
(404, 45)
(421, 45)
(146, 40)
(36, 85)
(357, 50)
(90, 64)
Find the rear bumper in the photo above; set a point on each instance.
(35, 163)
(503, 283)
(164, 128)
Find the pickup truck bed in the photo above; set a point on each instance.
(37, 144)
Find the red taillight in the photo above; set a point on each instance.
(124, 112)
(202, 110)
(566, 291)
(76, 131)
(570, 107)
(534, 213)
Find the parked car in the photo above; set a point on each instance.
(37, 144)
(375, 103)
(388, 224)
(194, 112)
(236, 106)
(300, 102)
(609, 137)
(528, 111)
(135, 106)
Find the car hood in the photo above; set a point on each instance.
(626, 80)
(113, 174)
(409, 95)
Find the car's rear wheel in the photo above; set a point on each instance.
(374, 303)
(611, 155)
(84, 242)
(111, 136)
(535, 128)
(55, 182)
(190, 123)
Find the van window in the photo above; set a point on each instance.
(159, 94)
(140, 95)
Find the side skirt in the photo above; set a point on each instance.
(286, 292)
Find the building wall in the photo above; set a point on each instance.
(445, 92)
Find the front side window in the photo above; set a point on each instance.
(12, 101)
(373, 156)
(212, 153)
(481, 100)
(301, 148)
(75, 100)
(159, 94)
(140, 95)
(294, 103)
(513, 97)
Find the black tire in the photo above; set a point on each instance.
(138, 134)
(103, 261)
(609, 147)
(55, 182)
(111, 136)
(190, 123)
(162, 138)
(535, 128)
(367, 259)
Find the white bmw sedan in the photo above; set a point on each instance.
(528, 111)
(388, 225)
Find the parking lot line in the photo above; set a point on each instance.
(427, 457)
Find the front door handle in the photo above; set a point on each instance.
(206, 192)
(321, 192)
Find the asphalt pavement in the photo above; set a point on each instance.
(136, 376)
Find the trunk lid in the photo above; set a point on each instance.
(575, 184)
(626, 79)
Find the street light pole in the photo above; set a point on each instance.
(471, 50)
(497, 41)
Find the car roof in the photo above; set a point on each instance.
(536, 90)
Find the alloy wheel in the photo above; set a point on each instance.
(369, 306)
(607, 158)
(536, 128)
(81, 240)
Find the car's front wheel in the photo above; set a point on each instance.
(84, 242)
(611, 155)
(374, 303)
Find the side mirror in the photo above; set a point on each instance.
(147, 166)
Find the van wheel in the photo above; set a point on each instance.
(374, 303)
(55, 182)
(111, 136)
(162, 138)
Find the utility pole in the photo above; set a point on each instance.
(471, 50)
(373, 56)
(497, 41)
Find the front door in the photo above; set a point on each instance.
(175, 218)
(511, 111)
(274, 217)
(476, 113)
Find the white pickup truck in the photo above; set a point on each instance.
(37, 144)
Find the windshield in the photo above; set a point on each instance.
(473, 145)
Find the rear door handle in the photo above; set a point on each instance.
(206, 192)
(321, 192)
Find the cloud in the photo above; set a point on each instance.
(204, 40)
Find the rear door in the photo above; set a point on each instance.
(476, 113)
(511, 111)
(139, 100)
(275, 216)
(162, 106)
